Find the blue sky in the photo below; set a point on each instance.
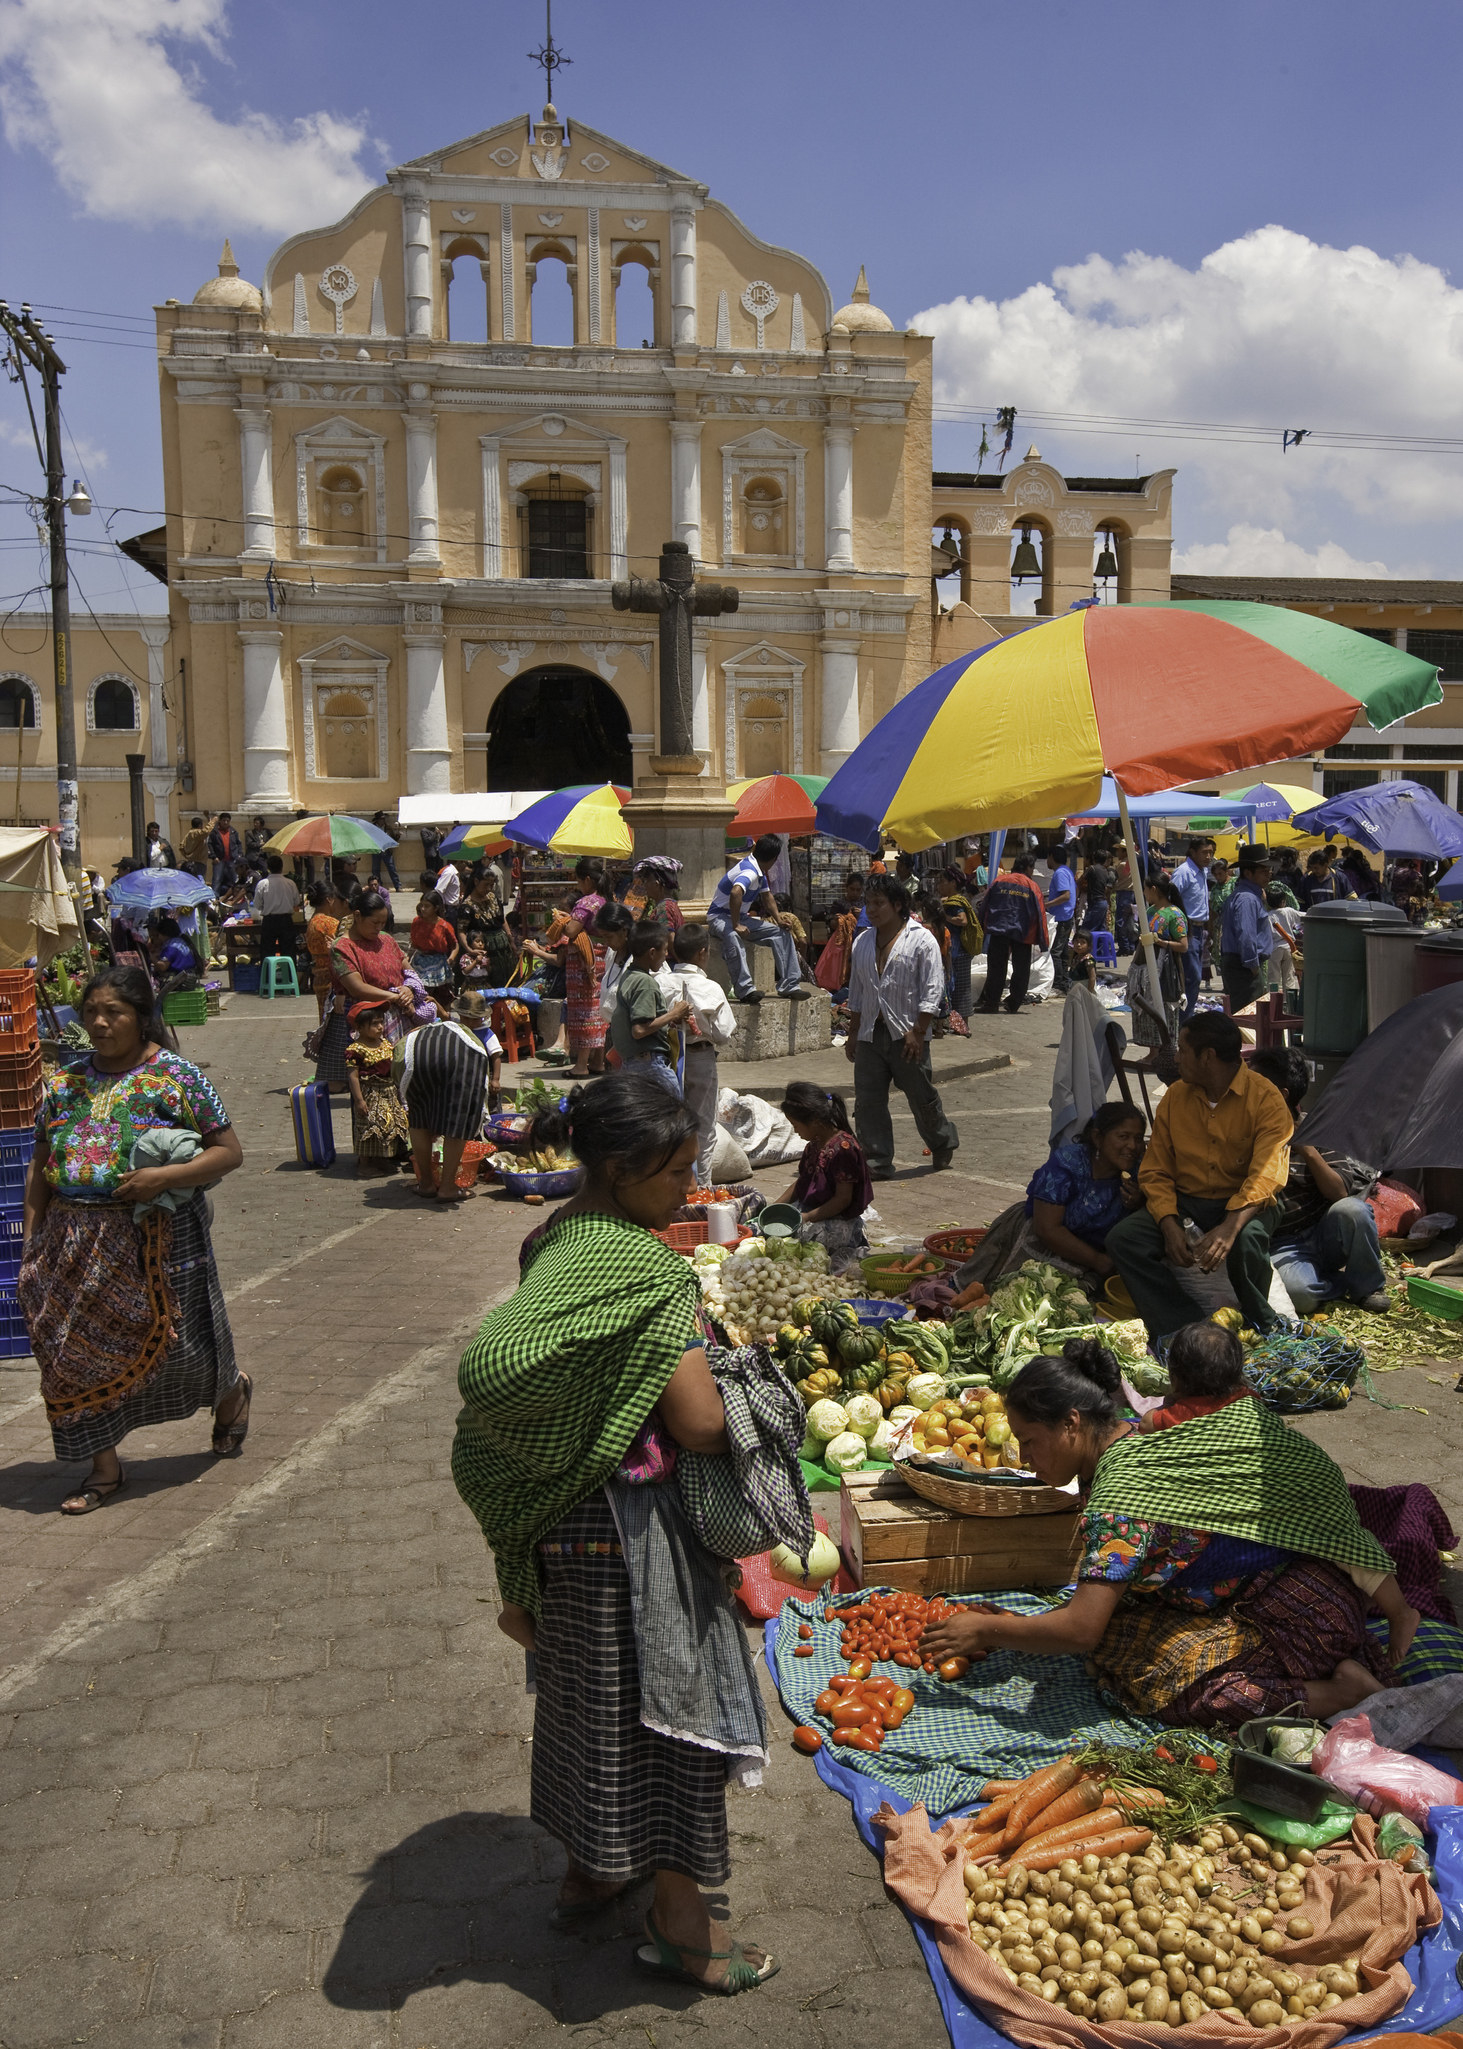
(1151, 212)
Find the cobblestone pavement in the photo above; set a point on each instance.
(263, 1752)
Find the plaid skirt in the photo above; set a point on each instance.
(622, 1800)
(1297, 1621)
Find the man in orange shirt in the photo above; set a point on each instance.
(1219, 1155)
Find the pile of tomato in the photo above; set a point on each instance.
(888, 1628)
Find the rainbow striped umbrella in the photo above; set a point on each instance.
(1151, 695)
(585, 819)
(775, 803)
(330, 832)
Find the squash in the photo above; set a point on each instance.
(856, 1347)
(902, 1364)
(891, 1393)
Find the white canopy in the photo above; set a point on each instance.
(37, 913)
(465, 807)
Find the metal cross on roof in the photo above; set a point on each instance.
(550, 56)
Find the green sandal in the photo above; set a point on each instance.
(666, 1960)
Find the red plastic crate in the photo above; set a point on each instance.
(686, 1237)
(17, 1009)
(20, 1087)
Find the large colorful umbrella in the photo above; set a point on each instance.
(585, 819)
(475, 839)
(158, 889)
(330, 832)
(1391, 818)
(775, 803)
(1150, 694)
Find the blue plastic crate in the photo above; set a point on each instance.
(17, 1149)
(246, 978)
(12, 1235)
(14, 1337)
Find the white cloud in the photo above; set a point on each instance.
(1264, 551)
(1271, 329)
(93, 84)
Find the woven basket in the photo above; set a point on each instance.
(971, 1497)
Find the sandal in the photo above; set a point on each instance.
(665, 1960)
(569, 1913)
(228, 1438)
(94, 1494)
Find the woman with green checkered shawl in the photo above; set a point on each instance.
(1224, 1573)
(594, 1372)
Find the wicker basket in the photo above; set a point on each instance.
(974, 1497)
(956, 1246)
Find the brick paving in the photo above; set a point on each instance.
(263, 1752)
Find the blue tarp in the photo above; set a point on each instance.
(1432, 1965)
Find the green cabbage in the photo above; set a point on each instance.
(845, 1454)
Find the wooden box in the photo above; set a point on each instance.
(890, 1537)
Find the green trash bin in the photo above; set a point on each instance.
(1333, 988)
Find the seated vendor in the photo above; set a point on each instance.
(1080, 1191)
(1225, 1572)
(1323, 1242)
(1206, 1372)
(1219, 1154)
(832, 1188)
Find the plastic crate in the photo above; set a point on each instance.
(246, 978)
(687, 1237)
(17, 1008)
(12, 1237)
(20, 1089)
(14, 1337)
(17, 1150)
(186, 1007)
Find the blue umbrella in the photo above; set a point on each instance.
(1390, 818)
(158, 889)
(1173, 804)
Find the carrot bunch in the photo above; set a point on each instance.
(1058, 1812)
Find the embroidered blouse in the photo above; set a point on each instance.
(1191, 1569)
(90, 1121)
(1090, 1205)
(821, 1171)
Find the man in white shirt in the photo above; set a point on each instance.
(711, 1024)
(743, 891)
(896, 986)
(274, 904)
(449, 886)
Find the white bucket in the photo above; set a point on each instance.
(721, 1223)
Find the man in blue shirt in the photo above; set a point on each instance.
(1013, 914)
(743, 903)
(1061, 908)
(1246, 935)
(1192, 883)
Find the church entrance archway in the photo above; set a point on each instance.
(554, 726)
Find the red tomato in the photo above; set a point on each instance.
(906, 1658)
(805, 1631)
(894, 1717)
(1166, 1755)
(859, 1739)
(928, 1665)
(803, 1650)
(841, 1683)
(954, 1668)
(903, 1699)
(1206, 1763)
(861, 1668)
(807, 1739)
(849, 1714)
(826, 1702)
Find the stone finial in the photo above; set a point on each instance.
(226, 264)
(1033, 454)
(861, 289)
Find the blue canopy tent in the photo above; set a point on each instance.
(1391, 818)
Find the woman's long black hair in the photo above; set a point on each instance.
(815, 1105)
(134, 988)
(1085, 1379)
(624, 1116)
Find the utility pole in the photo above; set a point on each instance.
(31, 346)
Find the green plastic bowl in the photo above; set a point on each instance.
(785, 1213)
(1434, 1298)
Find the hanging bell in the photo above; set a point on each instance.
(1107, 561)
(1025, 562)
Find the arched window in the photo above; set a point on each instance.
(17, 702)
(551, 275)
(342, 508)
(1112, 564)
(113, 706)
(348, 731)
(1031, 570)
(764, 736)
(764, 517)
(465, 289)
(950, 563)
(634, 277)
(556, 539)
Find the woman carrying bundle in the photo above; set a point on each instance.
(1225, 1573)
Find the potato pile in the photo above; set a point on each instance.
(1139, 1939)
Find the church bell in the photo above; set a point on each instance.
(1107, 561)
(1025, 562)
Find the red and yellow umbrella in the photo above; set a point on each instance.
(775, 803)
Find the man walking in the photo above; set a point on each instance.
(385, 857)
(746, 888)
(1246, 937)
(226, 851)
(1218, 1157)
(1191, 880)
(896, 987)
(1061, 908)
(1013, 914)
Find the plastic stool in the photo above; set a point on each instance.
(1104, 948)
(275, 969)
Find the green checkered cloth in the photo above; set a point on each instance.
(560, 1379)
(1011, 1714)
(1241, 1472)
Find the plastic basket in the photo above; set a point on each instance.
(246, 978)
(685, 1237)
(14, 1337)
(186, 1007)
(17, 1150)
(17, 1008)
(12, 1237)
(20, 1088)
(1435, 1298)
(957, 1246)
(565, 1182)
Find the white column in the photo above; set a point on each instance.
(257, 460)
(683, 278)
(700, 703)
(421, 482)
(266, 723)
(619, 513)
(838, 494)
(686, 484)
(156, 638)
(428, 752)
(416, 219)
(839, 729)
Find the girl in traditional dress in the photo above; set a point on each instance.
(378, 1115)
(434, 945)
(328, 908)
(117, 1280)
(832, 1188)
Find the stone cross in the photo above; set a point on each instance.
(678, 598)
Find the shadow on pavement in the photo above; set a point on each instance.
(37, 1487)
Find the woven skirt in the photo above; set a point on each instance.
(1251, 1657)
(586, 1023)
(622, 1800)
(447, 1093)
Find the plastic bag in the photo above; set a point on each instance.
(1381, 1780)
(1401, 1839)
(1333, 1822)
